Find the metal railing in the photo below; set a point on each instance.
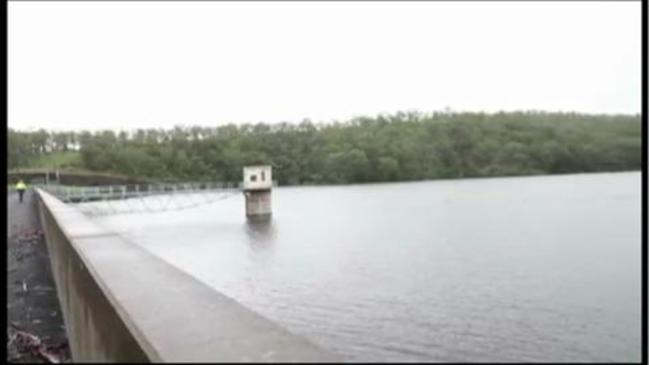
(80, 194)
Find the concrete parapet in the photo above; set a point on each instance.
(122, 303)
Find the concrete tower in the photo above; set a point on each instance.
(257, 183)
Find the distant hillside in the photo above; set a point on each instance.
(403, 146)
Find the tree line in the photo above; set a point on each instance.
(398, 147)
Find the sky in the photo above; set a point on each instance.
(128, 65)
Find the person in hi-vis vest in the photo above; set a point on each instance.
(21, 187)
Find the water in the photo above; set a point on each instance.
(502, 269)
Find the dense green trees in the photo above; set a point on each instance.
(403, 146)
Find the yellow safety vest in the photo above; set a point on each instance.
(21, 186)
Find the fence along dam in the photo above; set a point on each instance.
(131, 198)
(423, 271)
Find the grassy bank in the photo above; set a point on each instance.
(70, 160)
(73, 177)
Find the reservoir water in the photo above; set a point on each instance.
(501, 269)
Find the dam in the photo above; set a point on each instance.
(117, 315)
(503, 269)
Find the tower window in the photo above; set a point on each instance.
(253, 178)
(263, 175)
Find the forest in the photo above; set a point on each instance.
(397, 147)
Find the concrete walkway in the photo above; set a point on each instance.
(32, 303)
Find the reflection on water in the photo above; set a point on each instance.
(513, 269)
(261, 233)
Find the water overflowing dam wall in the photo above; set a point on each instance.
(122, 303)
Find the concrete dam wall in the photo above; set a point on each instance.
(121, 303)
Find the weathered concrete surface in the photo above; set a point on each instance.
(122, 303)
(32, 304)
(258, 204)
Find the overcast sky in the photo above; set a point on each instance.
(92, 65)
